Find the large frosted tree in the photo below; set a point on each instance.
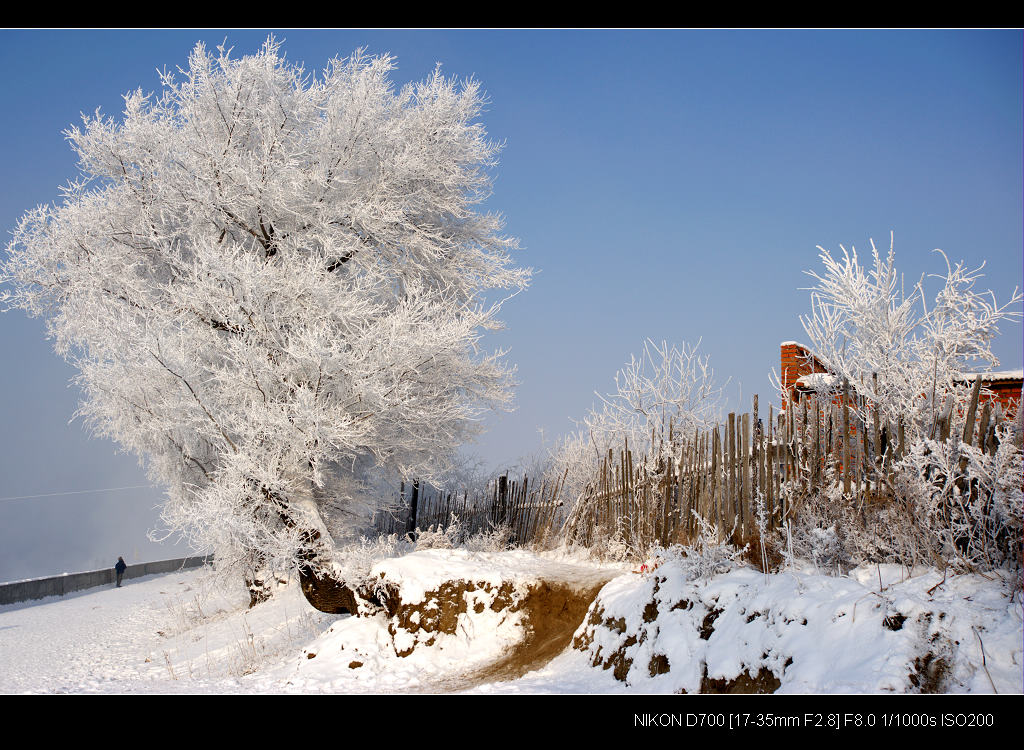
(273, 285)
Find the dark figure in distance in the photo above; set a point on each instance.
(119, 569)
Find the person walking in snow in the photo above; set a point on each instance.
(119, 569)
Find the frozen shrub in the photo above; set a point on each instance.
(496, 538)
(906, 355)
(663, 394)
(441, 537)
(709, 555)
(966, 505)
(354, 561)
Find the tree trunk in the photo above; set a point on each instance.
(327, 594)
(257, 580)
(323, 591)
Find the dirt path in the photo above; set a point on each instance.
(554, 608)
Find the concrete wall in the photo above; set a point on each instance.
(38, 588)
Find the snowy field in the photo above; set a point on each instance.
(175, 633)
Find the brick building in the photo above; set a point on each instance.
(800, 367)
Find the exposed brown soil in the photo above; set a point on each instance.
(931, 670)
(763, 682)
(929, 675)
(440, 609)
(752, 555)
(617, 661)
(620, 662)
(894, 622)
(659, 665)
(553, 609)
(708, 626)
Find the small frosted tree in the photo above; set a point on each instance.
(908, 362)
(909, 358)
(660, 397)
(274, 286)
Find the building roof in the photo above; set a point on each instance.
(989, 377)
(816, 379)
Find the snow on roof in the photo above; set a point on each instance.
(1001, 375)
(815, 379)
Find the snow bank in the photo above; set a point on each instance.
(799, 632)
(448, 613)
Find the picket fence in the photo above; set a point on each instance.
(531, 512)
(742, 478)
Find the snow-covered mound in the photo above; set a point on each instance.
(874, 631)
(452, 619)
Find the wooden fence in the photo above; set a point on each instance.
(741, 477)
(531, 513)
(740, 473)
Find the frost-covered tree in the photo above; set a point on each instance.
(910, 359)
(274, 286)
(660, 397)
(664, 393)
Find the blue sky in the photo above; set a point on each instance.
(665, 184)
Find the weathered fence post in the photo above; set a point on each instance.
(414, 500)
(846, 437)
(500, 500)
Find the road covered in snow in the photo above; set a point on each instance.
(98, 640)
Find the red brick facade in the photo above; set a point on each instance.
(1006, 392)
(796, 362)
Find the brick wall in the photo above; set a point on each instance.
(796, 362)
(1006, 392)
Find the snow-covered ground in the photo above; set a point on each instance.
(879, 630)
(176, 633)
(157, 634)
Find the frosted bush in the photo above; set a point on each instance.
(944, 504)
(908, 357)
(354, 561)
(665, 393)
(966, 504)
(496, 538)
(441, 537)
(709, 555)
